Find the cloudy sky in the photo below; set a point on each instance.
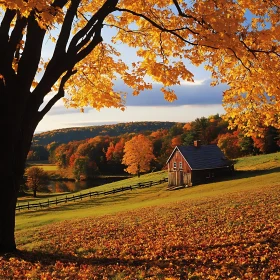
(194, 100)
(197, 100)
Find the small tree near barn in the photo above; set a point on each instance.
(36, 179)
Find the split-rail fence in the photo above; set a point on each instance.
(90, 194)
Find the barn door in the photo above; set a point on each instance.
(187, 179)
(179, 178)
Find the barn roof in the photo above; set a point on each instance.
(203, 157)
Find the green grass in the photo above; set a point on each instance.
(260, 162)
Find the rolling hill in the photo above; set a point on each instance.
(66, 135)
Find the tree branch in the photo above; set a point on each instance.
(30, 59)
(4, 40)
(58, 96)
(5, 27)
(163, 29)
(182, 14)
(254, 51)
(15, 38)
(86, 33)
(66, 29)
(90, 35)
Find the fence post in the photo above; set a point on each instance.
(80, 196)
(28, 205)
(66, 199)
(56, 201)
(48, 203)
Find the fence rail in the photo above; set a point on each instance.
(56, 201)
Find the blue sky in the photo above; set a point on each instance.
(194, 100)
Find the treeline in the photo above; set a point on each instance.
(104, 154)
(66, 135)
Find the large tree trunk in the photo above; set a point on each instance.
(15, 145)
(8, 199)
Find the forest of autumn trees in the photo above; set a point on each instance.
(106, 154)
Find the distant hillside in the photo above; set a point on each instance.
(66, 135)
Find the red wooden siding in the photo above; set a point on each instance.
(177, 157)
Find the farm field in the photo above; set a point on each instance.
(223, 230)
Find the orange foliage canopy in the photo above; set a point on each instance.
(238, 41)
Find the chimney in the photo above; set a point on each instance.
(197, 143)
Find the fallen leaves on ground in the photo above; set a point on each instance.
(233, 236)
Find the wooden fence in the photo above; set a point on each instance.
(67, 198)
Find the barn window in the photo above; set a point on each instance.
(181, 165)
(174, 165)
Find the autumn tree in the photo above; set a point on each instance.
(138, 154)
(114, 156)
(84, 168)
(268, 142)
(38, 152)
(229, 144)
(36, 179)
(240, 51)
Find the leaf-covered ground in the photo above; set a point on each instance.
(233, 236)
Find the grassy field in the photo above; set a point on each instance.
(223, 230)
(262, 162)
(45, 165)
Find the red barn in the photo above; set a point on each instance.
(190, 165)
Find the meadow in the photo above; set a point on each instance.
(223, 230)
